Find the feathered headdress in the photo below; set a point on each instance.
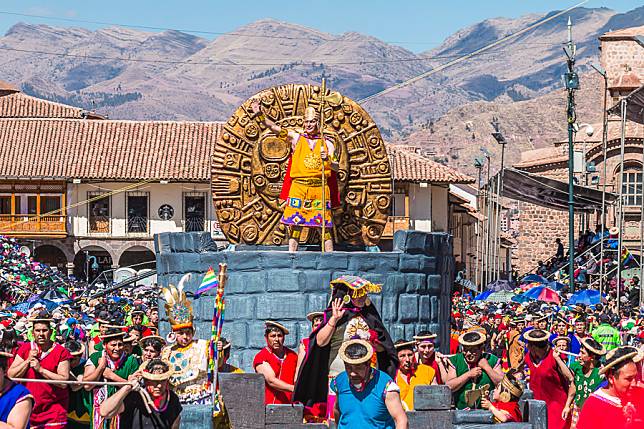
(177, 307)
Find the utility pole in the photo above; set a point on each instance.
(571, 80)
(500, 139)
(478, 164)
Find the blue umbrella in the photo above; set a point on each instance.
(586, 297)
(521, 298)
(531, 278)
(483, 295)
(556, 286)
(22, 307)
(499, 285)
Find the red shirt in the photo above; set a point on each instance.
(50, 402)
(512, 408)
(284, 370)
(602, 411)
(549, 386)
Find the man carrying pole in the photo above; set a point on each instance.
(308, 193)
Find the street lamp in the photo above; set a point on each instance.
(478, 164)
(604, 75)
(500, 139)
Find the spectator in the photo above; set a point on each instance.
(44, 359)
(505, 407)
(367, 398)
(559, 256)
(277, 364)
(16, 402)
(472, 370)
(607, 335)
(153, 406)
(224, 347)
(151, 347)
(613, 406)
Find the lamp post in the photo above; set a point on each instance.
(603, 74)
(500, 139)
(488, 247)
(478, 164)
(571, 80)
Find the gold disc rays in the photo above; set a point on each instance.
(249, 165)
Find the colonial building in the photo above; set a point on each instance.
(622, 56)
(79, 188)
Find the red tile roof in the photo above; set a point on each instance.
(411, 167)
(145, 150)
(106, 150)
(16, 104)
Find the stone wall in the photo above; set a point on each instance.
(540, 226)
(416, 277)
(243, 395)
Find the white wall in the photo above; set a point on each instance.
(428, 207)
(158, 194)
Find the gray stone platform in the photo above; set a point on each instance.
(416, 277)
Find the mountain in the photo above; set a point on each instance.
(126, 73)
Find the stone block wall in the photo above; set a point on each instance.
(618, 54)
(416, 277)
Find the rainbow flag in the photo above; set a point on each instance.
(209, 281)
(627, 257)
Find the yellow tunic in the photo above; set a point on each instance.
(304, 204)
(424, 375)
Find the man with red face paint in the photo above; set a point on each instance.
(277, 364)
(154, 405)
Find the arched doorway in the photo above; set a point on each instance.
(137, 257)
(52, 256)
(93, 260)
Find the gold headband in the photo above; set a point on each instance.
(514, 390)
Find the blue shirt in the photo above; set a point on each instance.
(10, 398)
(365, 409)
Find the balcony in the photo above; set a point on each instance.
(395, 223)
(33, 225)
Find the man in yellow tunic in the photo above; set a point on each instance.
(410, 374)
(302, 188)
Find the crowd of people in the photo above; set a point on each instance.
(101, 363)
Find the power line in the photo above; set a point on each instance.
(467, 56)
(298, 62)
(215, 33)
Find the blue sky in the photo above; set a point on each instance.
(415, 24)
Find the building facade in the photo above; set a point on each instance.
(622, 56)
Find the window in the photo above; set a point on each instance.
(194, 212)
(98, 213)
(137, 212)
(5, 204)
(49, 204)
(32, 205)
(632, 186)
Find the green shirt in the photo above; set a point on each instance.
(80, 404)
(585, 385)
(462, 367)
(607, 336)
(129, 367)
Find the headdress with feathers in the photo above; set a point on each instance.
(177, 306)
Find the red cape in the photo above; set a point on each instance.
(332, 182)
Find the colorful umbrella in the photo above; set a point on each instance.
(556, 286)
(531, 278)
(500, 296)
(539, 293)
(499, 285)
(586, 297)
(483, 295)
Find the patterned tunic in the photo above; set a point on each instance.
(190, 378)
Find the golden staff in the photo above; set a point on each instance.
(322, 97)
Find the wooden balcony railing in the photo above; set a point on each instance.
(395, 223)
(33, 225)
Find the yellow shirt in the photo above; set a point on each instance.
(424, 375)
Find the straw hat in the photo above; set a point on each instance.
(148, 375)
(536, 336)
(312, 315)
(472, 338)
(404, 345)
(425, 336)
(593, 346)
(273, 324)
(618, 355)
(355, 352)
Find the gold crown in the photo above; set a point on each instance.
(177, 307)
(310, 113)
